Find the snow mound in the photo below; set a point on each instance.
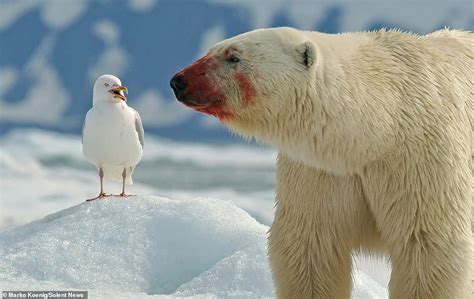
(146, 246)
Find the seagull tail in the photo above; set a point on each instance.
(114, 173)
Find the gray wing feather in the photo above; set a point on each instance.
(139, 128)
(82, 132)
(84, 125)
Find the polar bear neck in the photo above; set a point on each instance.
(364, 101)
(347, 114)
(323, 141)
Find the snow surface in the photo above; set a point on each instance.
(146, 246)
(46, 171)
(42, 172)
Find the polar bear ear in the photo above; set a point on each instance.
(307, 53)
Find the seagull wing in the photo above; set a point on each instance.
(84, 125)
(82, 132)
(139, 127)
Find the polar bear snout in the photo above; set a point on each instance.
(198, 86)
(178, 85)
(194, 90)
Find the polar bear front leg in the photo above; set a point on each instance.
(422, 209)
(320, 219)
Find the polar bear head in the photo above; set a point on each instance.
(252, 81)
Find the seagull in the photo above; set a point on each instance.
(112, 134)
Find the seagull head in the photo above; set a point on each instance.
(109, 88)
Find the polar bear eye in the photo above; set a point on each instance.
(233, 59)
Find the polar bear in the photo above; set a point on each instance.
(375, 136)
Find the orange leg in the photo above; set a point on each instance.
(101, 193)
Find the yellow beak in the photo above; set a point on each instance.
(117, 92)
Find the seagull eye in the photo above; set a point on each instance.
(106, 84)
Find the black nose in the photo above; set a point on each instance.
(178, 84)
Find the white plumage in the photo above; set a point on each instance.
(112, 135)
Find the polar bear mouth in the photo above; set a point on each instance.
(197, 105)
(215, 108)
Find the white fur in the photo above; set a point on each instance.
(376, 147)
(110, 135)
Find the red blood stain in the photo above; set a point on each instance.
(246, 87)
(218, 110)
(200, 84)
(203, 88)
